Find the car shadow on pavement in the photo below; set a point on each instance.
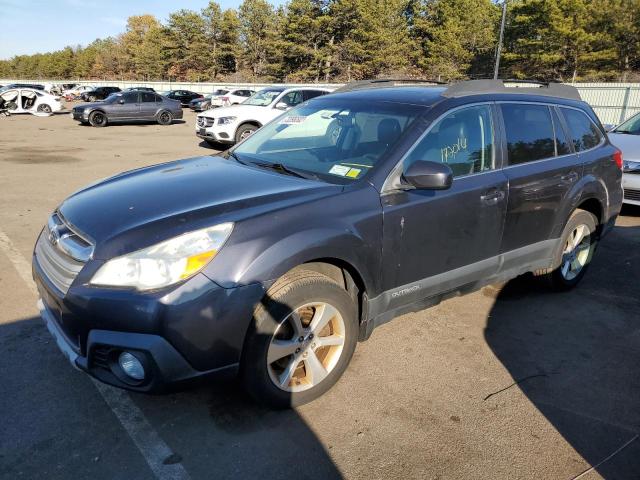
(54, 423)
(218, 147)
(575, 355)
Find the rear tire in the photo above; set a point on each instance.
(98, 119)
(301, 340)
(165, 118)
(44, 108)
(577, 246)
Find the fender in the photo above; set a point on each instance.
(588, 187)
(244, 122)
(269, 262)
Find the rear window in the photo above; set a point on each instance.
(529, 132)
(584, 133)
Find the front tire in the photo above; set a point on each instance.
(302, 338)
(165, 118)
(578, 243)
(98, 119)
(244, 131)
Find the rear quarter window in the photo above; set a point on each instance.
(584, 133)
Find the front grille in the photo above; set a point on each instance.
(205, 122)
(61, 253)
(630, 194)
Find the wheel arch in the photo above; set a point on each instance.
(247, 122)
(589, 194)
(344, 274)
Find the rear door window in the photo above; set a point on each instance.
(148, 97)
(584, 133)
(463, 140)
(529, 132)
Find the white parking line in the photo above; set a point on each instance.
(154, 450)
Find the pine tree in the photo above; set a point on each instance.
(228, 56)
(455, 36)
(257, 21)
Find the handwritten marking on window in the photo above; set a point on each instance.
(450, 151)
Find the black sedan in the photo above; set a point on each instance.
(183, 96)
(98, 93)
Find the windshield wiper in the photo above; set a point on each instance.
(236, 158)
(279, 167)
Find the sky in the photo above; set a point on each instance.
(38, 26)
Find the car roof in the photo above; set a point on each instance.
(428, 95)
(292, 89)
(399, 94)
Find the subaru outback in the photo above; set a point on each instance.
(273, 259)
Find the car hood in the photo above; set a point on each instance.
(90, 105)
(235, 111)
(629, 144)
(145, 206)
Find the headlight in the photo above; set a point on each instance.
(165, 263)
(226, 120)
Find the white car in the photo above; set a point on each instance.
(235, 123)
(627, 138)
(235, 96)
(29, 100)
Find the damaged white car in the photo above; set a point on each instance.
(28, 100)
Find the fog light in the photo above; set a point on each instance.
(131, 366)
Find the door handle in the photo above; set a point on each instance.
(492, 197)
(569, 177)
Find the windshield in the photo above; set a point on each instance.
(631, 126)
(263, 98)
(337, 141)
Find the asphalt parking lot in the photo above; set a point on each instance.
(509, 382)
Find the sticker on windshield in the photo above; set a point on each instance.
(339, 170)
(345, 171)
(292, 120)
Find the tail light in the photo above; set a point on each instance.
(617, 157)
(225, 99)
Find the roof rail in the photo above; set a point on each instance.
(549, 89)
(384, 82)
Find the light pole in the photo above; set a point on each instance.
(499, 49)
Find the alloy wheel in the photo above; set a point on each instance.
(246, 134)
(44, 108)
(306, 347)
(576, 252)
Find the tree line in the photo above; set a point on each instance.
(344, 40)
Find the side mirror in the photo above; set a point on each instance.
(282, 106)
(425, 175)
